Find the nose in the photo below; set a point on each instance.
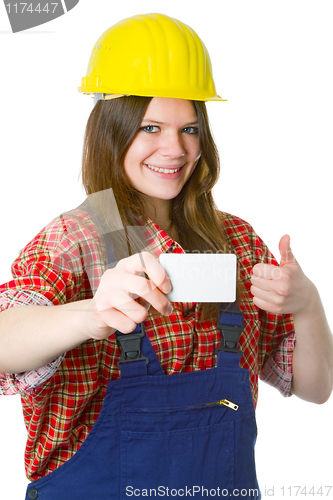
(172, 145)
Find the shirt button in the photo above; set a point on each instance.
(33, 494)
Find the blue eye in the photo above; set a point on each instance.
(191, 130)
(150, 129)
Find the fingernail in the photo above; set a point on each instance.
(166, 287)
(169, 310)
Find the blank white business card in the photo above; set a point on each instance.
(201, 277)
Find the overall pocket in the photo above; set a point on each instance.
(177, 449)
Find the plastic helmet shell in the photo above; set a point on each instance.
(151, 55)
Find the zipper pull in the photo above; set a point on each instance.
(228, 403)
(224, 402)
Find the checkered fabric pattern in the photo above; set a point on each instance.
(64, 263)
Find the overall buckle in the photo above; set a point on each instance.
(231, 325)
(131, 347)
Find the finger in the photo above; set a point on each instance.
(267, 271)
(117, 321)
(125, 298)
(134, 311)
(144, 303)
(137, 286)
(124, 305)
(147, 263)
(262, 294)
(158, 300)
(119, 288)
(117, 299)
(266, 305)
(285, 250)
(262, 283)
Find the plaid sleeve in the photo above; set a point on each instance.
(277, 370)
(277, 335)
(61, 264)
(17, 383)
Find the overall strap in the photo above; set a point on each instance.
(231, 324)
(138, 357)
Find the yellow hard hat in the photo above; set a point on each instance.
(150, 55)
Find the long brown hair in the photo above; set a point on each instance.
(110, 130)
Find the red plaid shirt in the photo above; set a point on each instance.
(64, 263)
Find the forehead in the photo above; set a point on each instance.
(169, 111)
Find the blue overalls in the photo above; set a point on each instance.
(183, 435)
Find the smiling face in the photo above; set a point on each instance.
(165, 151)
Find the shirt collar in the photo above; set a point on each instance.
(158, 240)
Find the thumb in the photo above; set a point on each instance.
(287, 256)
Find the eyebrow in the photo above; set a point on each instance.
(147, 120)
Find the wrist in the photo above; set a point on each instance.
(90, 322)
(311, 302)
(81, 312)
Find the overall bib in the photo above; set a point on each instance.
(183, 435)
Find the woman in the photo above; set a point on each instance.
(149, 166)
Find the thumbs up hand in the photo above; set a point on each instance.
(285, 289)
(281, 289)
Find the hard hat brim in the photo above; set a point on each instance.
(90, 90)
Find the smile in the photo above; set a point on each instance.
(164, 170)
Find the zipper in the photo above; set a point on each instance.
(224, 402)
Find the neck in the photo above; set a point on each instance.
(160, 212)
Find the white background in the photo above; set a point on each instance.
(272, 60)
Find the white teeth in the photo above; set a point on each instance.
(164, 170)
